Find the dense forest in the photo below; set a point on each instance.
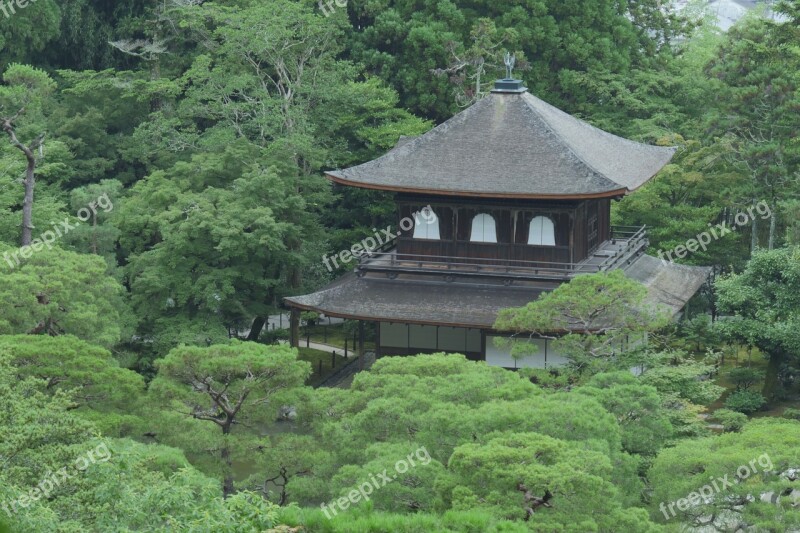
(162, 191)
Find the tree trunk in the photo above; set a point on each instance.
(255, 329)
(225, 454)
(30, 176)
(771, 377)
(294, 328)
(773, 222)
(27, 203)
(478, 84)
(754, 237)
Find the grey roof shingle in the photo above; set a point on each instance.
(512, 145)
(410, 299)
(669, 284)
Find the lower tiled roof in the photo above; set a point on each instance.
(429, 300)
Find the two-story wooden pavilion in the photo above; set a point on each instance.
(521, 195)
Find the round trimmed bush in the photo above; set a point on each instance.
(745, 401)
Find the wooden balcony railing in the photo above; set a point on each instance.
(625, 243)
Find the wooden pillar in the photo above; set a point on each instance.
(377, 340)
(294, 328)
(571, 240)
(361, 343)
(545, 352)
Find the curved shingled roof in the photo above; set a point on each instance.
(416, 300)
(512, 145)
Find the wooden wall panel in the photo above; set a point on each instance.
(512, 219)
(580, 246)
(604, 220)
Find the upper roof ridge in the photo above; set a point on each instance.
(511, 144)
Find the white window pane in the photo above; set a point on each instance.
(484, 229)
(426, 225)
(542, 232)
(535, 233)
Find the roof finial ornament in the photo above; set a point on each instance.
(509, 84)
(510, 60)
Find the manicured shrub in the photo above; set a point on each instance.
(732, 421)
(792, 414)
(745, 401)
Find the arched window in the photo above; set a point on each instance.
(483, 229)
(542, 232)
(426, 224)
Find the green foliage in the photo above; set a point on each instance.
(101, 391)
(600, 311)
(238, 226)
(757, 65)
(98, 236)
(474, 68)
(43, 434)
(699, 333)
(684, 378)
(571, 480)
(755, 462)
(87, 26)
(791, 414)
(694, 190)
(208, 394)
(160, 491)
(365, 519)
(362, 120)
(440, 403)
(410, 491)
(209, 125)
(25, 32)
(273, 336)
(766, 309)
(25, 87)
(731, 421)
(38, 428)
(404, 41)
(745, 377)
(745, 401)
(637, 407)
(554, 378)
(50, 209)
(309, 317)
(279, 460)
(56, 292)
